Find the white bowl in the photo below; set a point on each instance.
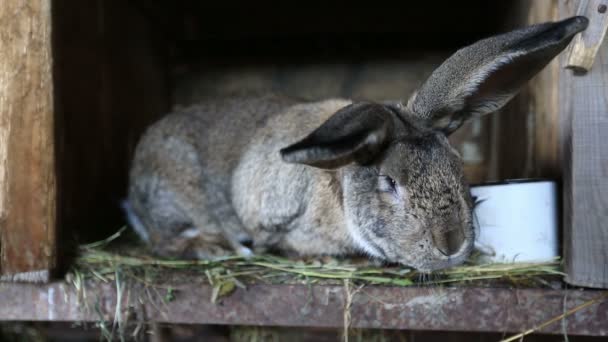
(517, 221)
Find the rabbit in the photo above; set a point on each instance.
(252, 173)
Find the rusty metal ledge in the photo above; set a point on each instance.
(420, 308)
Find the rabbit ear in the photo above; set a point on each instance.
(483, 77)
(355, 133)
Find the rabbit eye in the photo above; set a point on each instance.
(391, 184)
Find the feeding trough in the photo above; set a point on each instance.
(517, 220)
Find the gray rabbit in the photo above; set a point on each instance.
(251, 173)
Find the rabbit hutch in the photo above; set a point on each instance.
(81, 80)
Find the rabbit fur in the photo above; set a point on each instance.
(257, 172)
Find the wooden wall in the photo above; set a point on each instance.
(110, 68)
(363, 52)
(525, 137)
(583, 108)
(27, 180)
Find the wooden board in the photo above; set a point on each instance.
(584, 114)
(438, 308)
(27, 181)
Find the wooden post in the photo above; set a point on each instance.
(584, 114)
(27, 178)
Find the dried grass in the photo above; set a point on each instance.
(111, 260)
(101, 261)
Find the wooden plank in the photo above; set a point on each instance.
(586, 45)
(27, 177)
(584, 111)
(427, 308)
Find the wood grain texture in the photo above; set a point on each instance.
(584, 113)
(585, 46)
(527, 135)
(27, 177)
(542, 107)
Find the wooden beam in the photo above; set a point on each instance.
(584, 112)
(472, 309)
(27, 179)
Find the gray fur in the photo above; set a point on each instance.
(490, 72)
(329, 177)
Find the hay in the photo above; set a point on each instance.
(557, 318)
(100, 260)
(120, 260)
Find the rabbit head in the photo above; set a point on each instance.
(404, 195)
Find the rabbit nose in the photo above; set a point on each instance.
(448, 242)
